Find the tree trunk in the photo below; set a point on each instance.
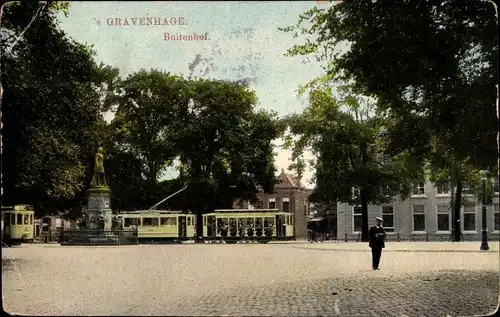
(457, 206)
(364, 216)
(364, 195)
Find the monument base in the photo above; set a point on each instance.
(99, 213)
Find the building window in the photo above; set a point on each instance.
(418, 218)
(469, 218)
(443, 218)
(466, 190)
(388, 217)
(260, 204)
(357, 219)
(496, 214)
(444, 188)
(418, 189)
(355, 193)
(286, 204)
(272, 203)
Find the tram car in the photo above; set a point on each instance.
(230, 225)
(262, 225)
(18, 224)
(158, 225)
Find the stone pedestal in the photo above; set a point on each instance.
(99, 214)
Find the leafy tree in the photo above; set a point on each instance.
(50, 107)
(147, 123)
(350, 153)
(225, 150)
(431, 65)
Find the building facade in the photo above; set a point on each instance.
(425, 215)
(289, 196)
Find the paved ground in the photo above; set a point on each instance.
(249, 280)
(402, 246)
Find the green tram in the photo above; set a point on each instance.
(158, 225)
(262, 225)
(230, 225)
(18, 224)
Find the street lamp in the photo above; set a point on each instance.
(484, 231)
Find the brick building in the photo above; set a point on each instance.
(289, 196)
(425, 215)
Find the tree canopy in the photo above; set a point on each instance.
(431, 66)
(348, 143)
(51, 111)
(434, 60)
(53, 105)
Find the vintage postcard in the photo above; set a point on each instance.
(250, 158)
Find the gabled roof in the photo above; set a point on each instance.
(288, 180)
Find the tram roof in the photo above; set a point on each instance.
(246, 210)
(18, 208)
(146, 212)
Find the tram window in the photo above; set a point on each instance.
(232, 221)
(168, 221)
(258, 222)
(269, 221)
(26, 219)
(222, 222)
(12, 219)
(250, 222)
(240, 222)
(189, 221)
(204, 221)
(31, 219)
(128, 222)
(149, 222)
(291, 220)
(19, 219)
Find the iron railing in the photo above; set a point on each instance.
(98, 237)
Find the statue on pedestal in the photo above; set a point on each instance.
(98, 179)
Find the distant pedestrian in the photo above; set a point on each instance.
(315, 236)
(377, 236)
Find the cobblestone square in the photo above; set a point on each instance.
(247, 280)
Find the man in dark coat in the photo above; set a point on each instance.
(377, 236)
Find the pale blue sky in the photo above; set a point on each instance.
(244, 43)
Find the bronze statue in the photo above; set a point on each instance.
(98, 179)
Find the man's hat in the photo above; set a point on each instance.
(379, 218)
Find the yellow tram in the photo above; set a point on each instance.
(230, 225)
(248, 224)
(18, 224)
(156, 225)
